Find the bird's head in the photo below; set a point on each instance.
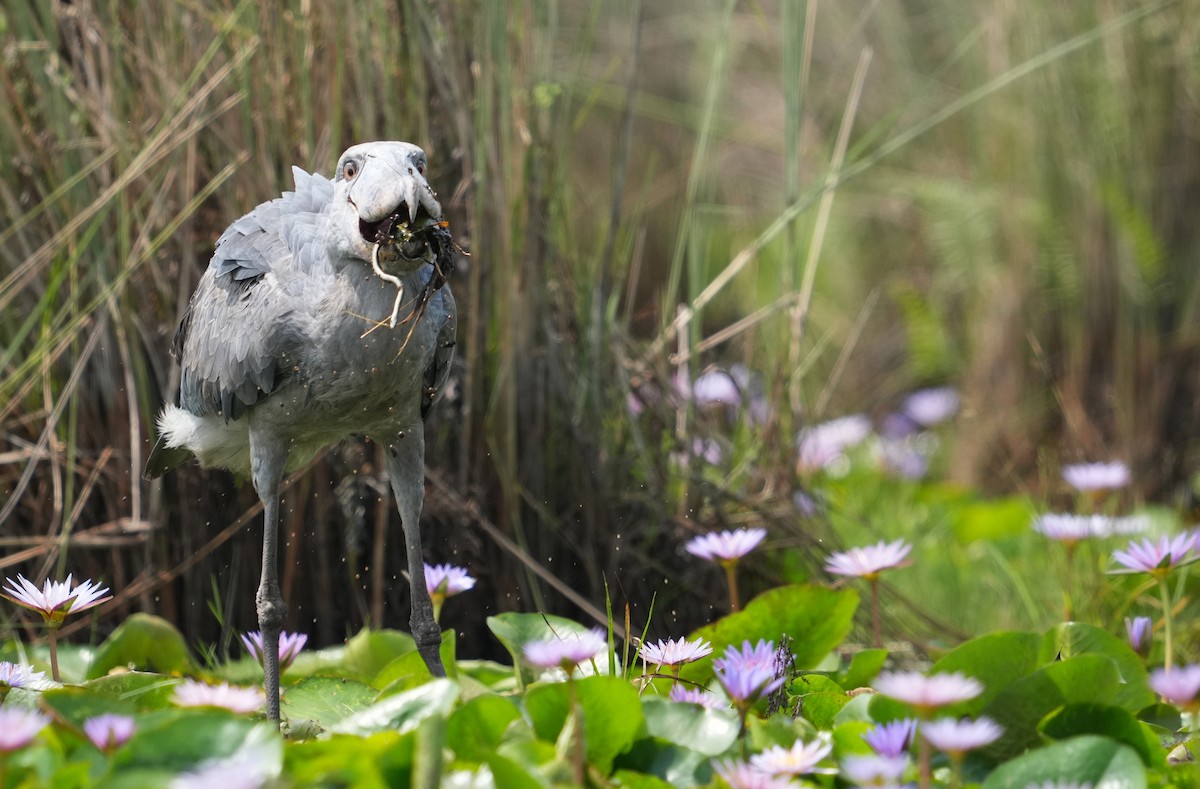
(380, 196)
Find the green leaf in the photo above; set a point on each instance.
(634, 780)
(711, 732)
(144, 691)
(477, 728)
(182, 739)
(330, 660)
(1020, 707)
(402, 712)
(848, 738)
(821, 709)
(816, 618)
(515, 630)
(612, 715)
(1077, 638)
(997, 660)
(73, 660)
(496, 676)
(370, 650)
(145, 642)
(508, 772)
(409, 670)
(1109, 721)
(864, 666)
(814, 683)
(676, 764)
(380, 760)
(1089, 759)
(763, 733)
(325, 700)
(1162, 716)
(76, 704)
(857, 709)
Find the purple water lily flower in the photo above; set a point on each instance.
(1179, 685)
(1071, 529)
(749, 673)
(891, 739)
(800, 759)
(1096, 476)
(56, 599)
(716, 387)
(959, 736)
(742, 775)
(874, 770)
(566, 651)
(1139, 630)
(18, 727)
(290, 645)
(109, 731)
(231, 697)
(1157, 557)
(725, 546)
(673, 653)
(868, 562)
(688, 695)
(929, 407)
(928, 693)
(447, 579)
(821, 446)
(18, 675)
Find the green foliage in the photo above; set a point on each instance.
(143, 642)
(814, 618)
(401, 712)
(369, 651)
(325, 701)
(477, 727)
(1072, 720)
(1073, 702)
(1087, 759)
(1009, 209)
(609, 707)
(514, 631)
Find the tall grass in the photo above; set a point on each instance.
(994, 197)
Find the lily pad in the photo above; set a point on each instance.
(143, 642)
(1089, 759)
(815, 618)
(477, 728)
(402, 712)
(325, 701)
(612, 715)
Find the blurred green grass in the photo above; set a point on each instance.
(1013, 213)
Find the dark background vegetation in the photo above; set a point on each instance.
(1001, 196)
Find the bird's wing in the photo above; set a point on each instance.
(240, 327)
(443, 352)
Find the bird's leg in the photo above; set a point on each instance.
(268, 457)
(406, 468)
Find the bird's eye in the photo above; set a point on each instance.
(421, 167)
(350, 169)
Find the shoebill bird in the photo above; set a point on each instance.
(322, 314)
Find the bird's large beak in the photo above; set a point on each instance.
(395, 206)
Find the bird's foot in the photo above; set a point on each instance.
(271, 609)
(428, 636)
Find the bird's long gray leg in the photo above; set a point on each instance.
(406, 468)
(268, 457)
